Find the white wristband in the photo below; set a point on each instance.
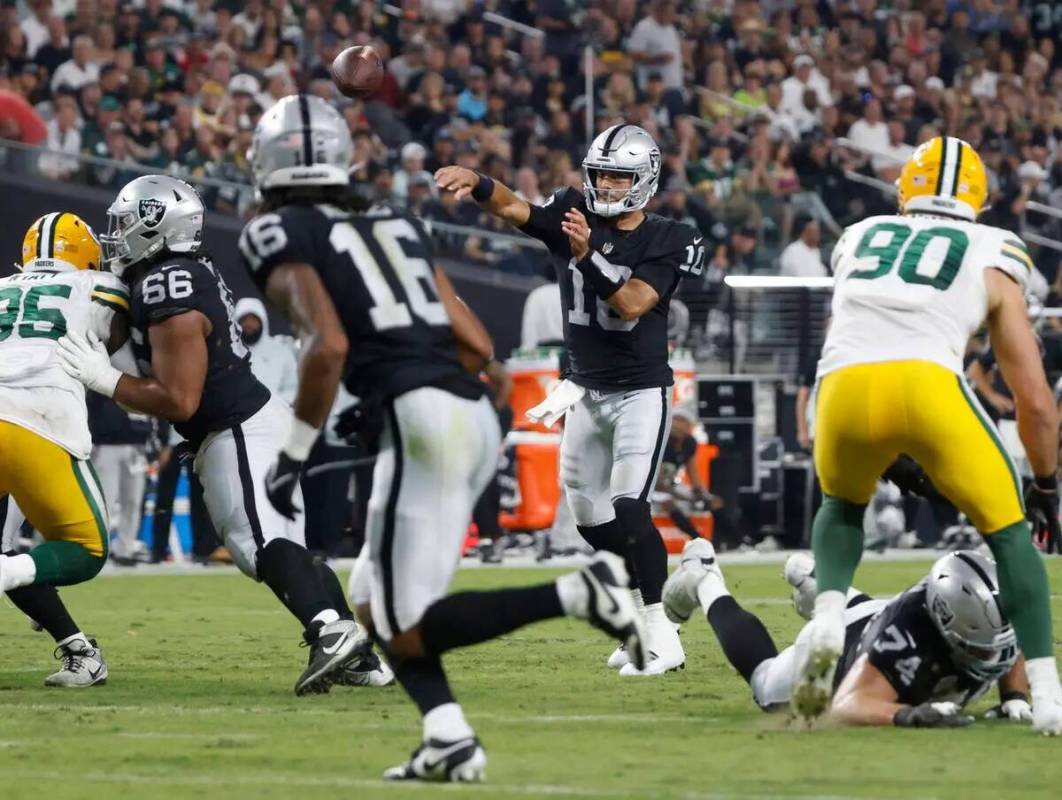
(300, 440)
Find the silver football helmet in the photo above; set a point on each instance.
(150, 214)
(301, 141)
(962, 597)
(621, 148)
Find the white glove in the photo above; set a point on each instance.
(1047, 716)
(87, 361)
(948, 709)
(1016, 710)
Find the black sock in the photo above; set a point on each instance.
(609, 536)
(424, 681)
(745, 642)
(679, 518)
(330, 581)
(467, 618)
(647, 553)
(41, 603)
(288, 569)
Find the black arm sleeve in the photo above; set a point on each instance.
(545, 220)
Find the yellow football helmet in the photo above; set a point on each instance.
(944, 176)
(60, 240)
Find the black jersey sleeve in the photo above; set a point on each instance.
(177, 287)
(291, 235)
(545, 220)
(678, 252)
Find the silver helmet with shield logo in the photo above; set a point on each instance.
(962, 597)
(625, 149)
(301, 141)
(151, 214)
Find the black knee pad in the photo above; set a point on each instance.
(608, 536)
(635, 517)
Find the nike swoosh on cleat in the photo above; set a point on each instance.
(95, 673)
(332, 650)
(452, 750)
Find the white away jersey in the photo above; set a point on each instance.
(37, 308)
(913, 287)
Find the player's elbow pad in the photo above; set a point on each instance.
(605, 278)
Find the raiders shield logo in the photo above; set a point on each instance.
(151, 211)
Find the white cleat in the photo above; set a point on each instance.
(459, 761)
(680, 590)
(602, 597)
(1047, 716)
(619, 658)
(82, 665)
(800, 574)
(813, 688)
(370, 670)
(337, 643)
(665, 652)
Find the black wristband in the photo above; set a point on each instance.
(483, 190)
(1047, 484)
(604, 285)
(1006, 697)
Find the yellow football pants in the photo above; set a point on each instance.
(868, 414)
(59, 494)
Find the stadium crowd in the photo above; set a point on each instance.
(751, 102)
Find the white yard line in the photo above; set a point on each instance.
(342, 782)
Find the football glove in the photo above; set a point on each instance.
(86, 360)
(909, 477)
(932, 715)
(1013, 706)
(361, 424)
(1041, 507)
(281, 482)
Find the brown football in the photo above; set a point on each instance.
(358, 71)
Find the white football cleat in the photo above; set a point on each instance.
(800, 574)
(459, 761)
(813, 688)
(680, 590)
(619, 658)
(82, 665)
(1047, 716)
(370, 670)
(665, 647)
(601, 595)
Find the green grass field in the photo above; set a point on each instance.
(200, 704)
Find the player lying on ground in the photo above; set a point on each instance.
(915, 660)
(186, 338)
(910, 291)
(44, 435)
(359, 287)
(617, 268)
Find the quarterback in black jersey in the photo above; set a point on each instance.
(617, 268)
(186, 341)
(916, 660)
(358, 285)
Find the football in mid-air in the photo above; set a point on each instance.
(358, 71)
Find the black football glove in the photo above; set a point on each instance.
(932, 715)
(1041, 508)
(281, 482)
(361, 424)
(909, 477)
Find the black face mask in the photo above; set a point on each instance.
(251, 338)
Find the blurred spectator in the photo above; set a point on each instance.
(655, 46)
(63, 142)
(410, 169)
(79, 70)
(55, 49)
(35, 25)
(802, 258)
(274, 360)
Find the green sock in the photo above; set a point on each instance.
(837, 542)
(65, 563)
(1023, 591)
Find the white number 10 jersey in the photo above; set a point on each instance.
(37, 308)
(913, 287)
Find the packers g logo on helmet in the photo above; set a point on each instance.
(60, 240)
(944, 176)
